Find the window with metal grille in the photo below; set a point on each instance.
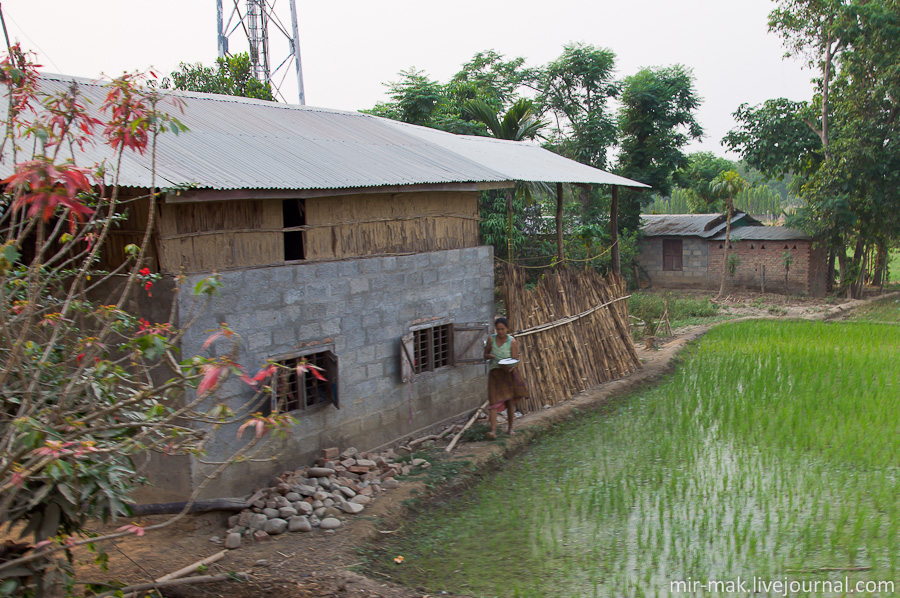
(298, 389)
(432, 348)
(672, 251)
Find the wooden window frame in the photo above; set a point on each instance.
(440, 345)
(673, 261)
(292, 391)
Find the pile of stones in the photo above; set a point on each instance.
(339, 485)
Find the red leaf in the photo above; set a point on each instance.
(264, 373)
(212, 338)
(211, 378)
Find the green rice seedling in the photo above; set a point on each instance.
(773, 447)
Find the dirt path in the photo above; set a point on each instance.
(319, 563)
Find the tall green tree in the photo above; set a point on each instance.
(656, 121)
(229, 76)
(488, 77)
(492, 79)
(518, 124)
(698, 173)
(817, 31)
(848, 185)
(574, 90)
(415, 99)
(775, 138)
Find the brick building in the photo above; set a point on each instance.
(687, 251)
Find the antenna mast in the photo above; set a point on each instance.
(251, 20)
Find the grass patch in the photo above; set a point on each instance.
(443, 468)
(881, 310)
(773, 448)
(477, 433)
(648, 308)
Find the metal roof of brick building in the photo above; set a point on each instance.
(712, 226)
(241, 143)
(764, 233)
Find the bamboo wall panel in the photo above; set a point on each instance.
(202, 237)
(560, 361)
(128, 231)
(359, 225)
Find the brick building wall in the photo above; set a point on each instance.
(359, 309)
(764, 259)
(694, 260)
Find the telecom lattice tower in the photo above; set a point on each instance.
(254, 22)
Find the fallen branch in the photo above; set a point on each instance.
(191, 568)
(418, 441)
(466, 427)
(173, 582)
(200, 506)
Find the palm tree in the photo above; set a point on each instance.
(725, 186)
(518, 124)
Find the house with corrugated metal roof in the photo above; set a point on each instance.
(335, 234)
(688, 251)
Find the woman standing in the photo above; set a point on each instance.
(505, 385)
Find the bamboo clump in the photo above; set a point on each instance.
(566, 343)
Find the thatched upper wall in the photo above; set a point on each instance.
(198, 237)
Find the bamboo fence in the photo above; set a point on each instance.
(572, 330)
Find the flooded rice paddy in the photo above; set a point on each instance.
(771, 455)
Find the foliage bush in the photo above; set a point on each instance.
(88, 385)
(649, 307)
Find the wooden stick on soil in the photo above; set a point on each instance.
(466, 427)
(191, 568)
(172, 582)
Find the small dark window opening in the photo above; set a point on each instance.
(751, 246)
(672, 252)
(721, 246)
(431, 348)
(785, 246)
(298, 390)
(794, 247)
(294, 215)
(762, 246)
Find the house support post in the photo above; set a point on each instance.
(615, 266)
(560, 248)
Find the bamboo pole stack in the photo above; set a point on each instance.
(567, 341)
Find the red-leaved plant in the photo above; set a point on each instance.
(80, 375)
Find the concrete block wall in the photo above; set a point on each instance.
(694, 258)
(802, 278)
(359, 309)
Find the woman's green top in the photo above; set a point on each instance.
(503, 351)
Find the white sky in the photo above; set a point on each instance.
(350, 48)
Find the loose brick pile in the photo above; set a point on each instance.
(339, 485)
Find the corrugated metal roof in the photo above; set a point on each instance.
(680, 225)
(692, 225)
(764, 233)
(241, 143)
(520, 161)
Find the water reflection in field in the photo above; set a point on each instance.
(772, 453)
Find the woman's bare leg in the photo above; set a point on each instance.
(510, 416)
(493, 417)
